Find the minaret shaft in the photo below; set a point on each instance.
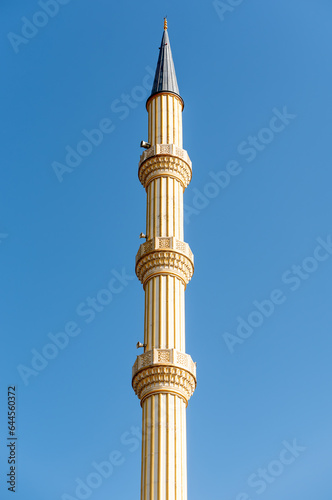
(164, 448)
(164, 314)
(164, 208)
(165, 119)
(164, 376)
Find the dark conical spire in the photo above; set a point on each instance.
(165, 77)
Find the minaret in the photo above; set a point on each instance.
(164, 376)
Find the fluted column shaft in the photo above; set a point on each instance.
(164, 324)
(165, 119)
(164, 377)
(164, 214)
(164, 448)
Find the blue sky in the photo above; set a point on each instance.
(256, 80)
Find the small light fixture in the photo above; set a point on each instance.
(139, 345)
(142, 235)
(145, 145)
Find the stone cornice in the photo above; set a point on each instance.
(167, 255)
(165, 160)
(164, 371)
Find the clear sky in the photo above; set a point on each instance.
(256, 79)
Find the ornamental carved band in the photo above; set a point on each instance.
(164, 256)
(165, 160)
(164, 371)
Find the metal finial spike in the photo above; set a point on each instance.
(165, 23)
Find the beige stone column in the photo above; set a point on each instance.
(164, 376)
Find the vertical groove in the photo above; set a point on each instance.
(147, 447)
(175, 451)
(149, 118)
(153, 422)
(181, 448)
(160, 343)
(179, 207)
(180, 212)
(160, 114)
(174, 312)
(170, 208)
(174, 128)
(152, 123)
(167, 447)
(148, 285)
(167, 206)
(181, 130)
(158, 119)
(183, 319)
(161, 228)
(145, 317)
(148, 342)
(171, 311)
(184, 430)
(161, 202)
(150, 211)
(153, 315)
(171, 445)
(150, 313)
(182, 455)
(164, 204)
(174, 208)
(165, 307)
(149, 123)
(155, 119)
(146, 322)
(165, 119)
(159, 445)
(168, 127)
(160, 205)
(157, 317)
(176, 214)
(180, 126)
(167, 312)
(170, 119)
(161, 119)
(155, 207)
(180, 316)
(178, 123)
(147, 213)
(142, 455)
